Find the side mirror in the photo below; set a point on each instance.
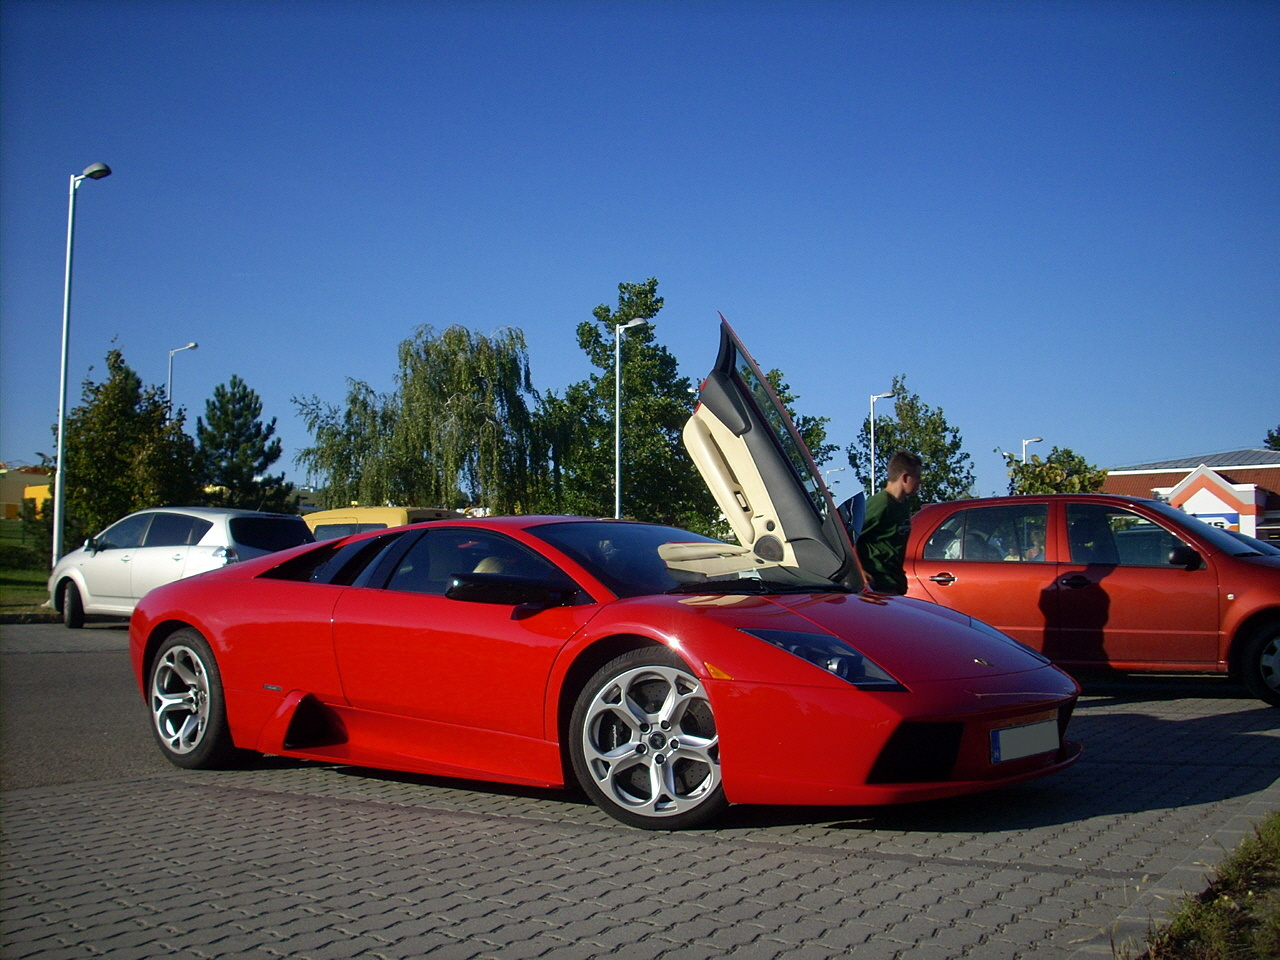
(1184, 556)
(91, 545)
(508, 591)
(854, 513)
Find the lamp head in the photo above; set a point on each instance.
(96, 171)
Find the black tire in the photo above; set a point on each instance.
(1260, 665)
(72, 606)
(643, 743)
(188, 712)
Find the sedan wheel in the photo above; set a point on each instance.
(187, 709)
(1262, 666)
(644, 745)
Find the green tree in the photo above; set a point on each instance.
(124, 453)
(456, 432)
(1273, 439)
(920, 429)
(1062, 471)
(576, 430)
(237, 449)
(812, 430)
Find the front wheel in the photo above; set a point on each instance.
(644, 745)
(1261, 665)
(72, 606)
(188, 712)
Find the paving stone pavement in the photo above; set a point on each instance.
(287, 859)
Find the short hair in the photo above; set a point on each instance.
(903, 463)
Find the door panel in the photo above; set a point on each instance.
(1119, 601)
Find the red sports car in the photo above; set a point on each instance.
(1095, 580)
(666, 673)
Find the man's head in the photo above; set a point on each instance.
(904, 475)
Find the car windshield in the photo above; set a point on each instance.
(639, 559)
(270, 533)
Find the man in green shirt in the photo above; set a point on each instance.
(882, 545)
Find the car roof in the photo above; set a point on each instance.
(212, 513)
(1036, 497)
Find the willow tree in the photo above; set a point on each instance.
(462, 434)
(455, 432)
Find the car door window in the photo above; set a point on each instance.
(440, 555)
(1113, 536)
(127, 533)
(1004, 533)
(175, 530)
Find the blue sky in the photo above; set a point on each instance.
(1056, 219)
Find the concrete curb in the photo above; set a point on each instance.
(1152, 908)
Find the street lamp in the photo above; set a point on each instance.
(95, 171)
(1024, 446)
(617, 413)
(168, 390)
(874, 398)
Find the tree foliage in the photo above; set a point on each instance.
(237, 449)
(920, 429)
(1273, 439)
(456, 432)
(1062, 471)
(124, 453)
(576, 430)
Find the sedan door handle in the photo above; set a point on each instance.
(1076, 581)
(943, 578)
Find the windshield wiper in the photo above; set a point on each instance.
(753, 586)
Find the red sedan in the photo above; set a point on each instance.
(1095, 580)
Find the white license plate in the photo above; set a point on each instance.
(1014, 743)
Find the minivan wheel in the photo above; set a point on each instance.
(72, 606)
(1261, 665)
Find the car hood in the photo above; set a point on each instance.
(916, 642)
(760, 472)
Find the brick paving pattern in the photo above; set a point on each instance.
(288, 859)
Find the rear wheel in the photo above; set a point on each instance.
(72, 606)
(188, 712)
(1261, 665)
(644, 745)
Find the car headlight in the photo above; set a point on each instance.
(833, 656)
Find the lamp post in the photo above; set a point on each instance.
(95, 171)
(874, 398)
(1024, 446)
(617, 413)
(168, 390)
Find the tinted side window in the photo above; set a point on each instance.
(1015, 532)
(127, 533)
(1100, 534)
(270, 533)
(175, 530)
(440, 555)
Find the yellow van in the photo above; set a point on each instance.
(328, 524)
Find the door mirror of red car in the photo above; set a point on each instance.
(508, 591)
(1184, 556)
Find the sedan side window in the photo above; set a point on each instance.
(439, 555)
(1113, 536)
(127, 533)
(1014, 533)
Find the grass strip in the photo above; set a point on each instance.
(1238, 916)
